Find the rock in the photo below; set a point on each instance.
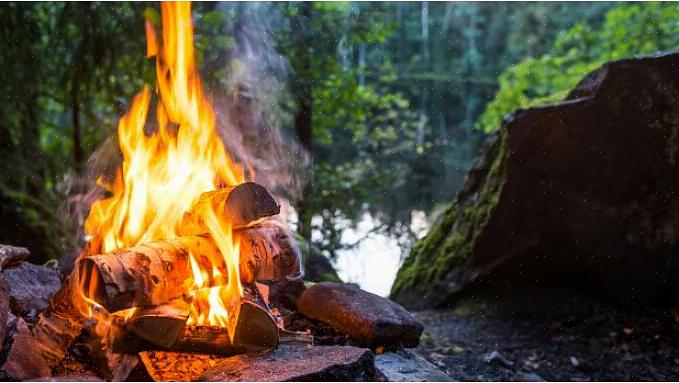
(408, 366)
(369, 320)
(24, 361)
(285, 293)
(84, 377)
(31, 287)
(11, 256)
(4, 310)
(495, 358)
(317, 268)
(320, 363)
(529, 377)
(583, 193)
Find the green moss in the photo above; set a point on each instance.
(450, 242)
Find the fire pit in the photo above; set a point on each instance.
(188, 272)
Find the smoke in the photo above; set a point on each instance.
(250, 102)
(252, 113)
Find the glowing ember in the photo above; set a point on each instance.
(164, 172)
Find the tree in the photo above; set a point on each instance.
(628, 30)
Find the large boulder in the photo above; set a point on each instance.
(584, 192)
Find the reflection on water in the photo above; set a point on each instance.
(373, 264)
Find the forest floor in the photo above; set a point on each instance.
(525, 335)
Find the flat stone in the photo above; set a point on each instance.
(24, 361)
(83, 377)
(11, 256)
(31, 287)
(369, 320)
(408, 366)
(320, 363)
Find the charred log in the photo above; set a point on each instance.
(164, 327)
(59, 325)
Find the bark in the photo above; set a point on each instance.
(59, 325)
(241, 205)
(268, 253)
(155, 273)
(145, 275)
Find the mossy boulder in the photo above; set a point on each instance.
(584, 192)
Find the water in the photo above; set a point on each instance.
(373, 264)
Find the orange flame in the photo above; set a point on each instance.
(163, 172)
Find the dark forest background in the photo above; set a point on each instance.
(391, 100)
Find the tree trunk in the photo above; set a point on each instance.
(303, 121)
(78, 151)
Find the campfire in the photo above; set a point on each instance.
(174, 253)
(187, 261)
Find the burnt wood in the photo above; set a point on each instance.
(164, 327)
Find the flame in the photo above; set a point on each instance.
(164, 171)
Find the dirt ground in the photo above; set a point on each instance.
(524, 335)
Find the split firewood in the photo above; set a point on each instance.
(160, 325)
(241, 205)
(157, 272)
(164, 327)
(23, 362)
(295, 338)
(59, 325)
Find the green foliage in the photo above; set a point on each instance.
(628, 30)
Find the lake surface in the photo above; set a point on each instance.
(373, 264)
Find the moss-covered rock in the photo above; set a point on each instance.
(584, 192)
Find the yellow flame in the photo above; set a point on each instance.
(164, 171)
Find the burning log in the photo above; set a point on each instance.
(162, 324)
(164, 327)
(59, 325)
(145, 275)
(156, 273)
(268, 253)
(241, 205)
